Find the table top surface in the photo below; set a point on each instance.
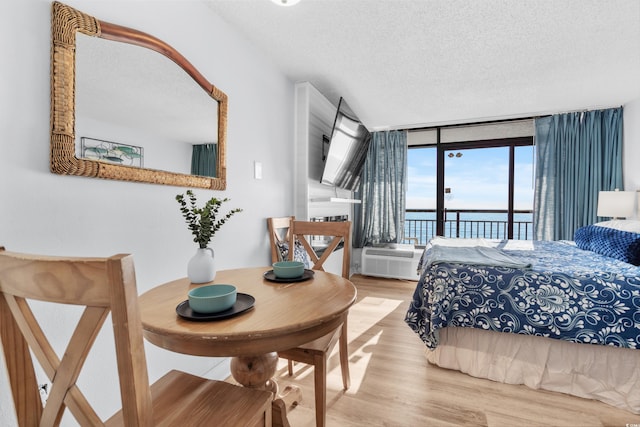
(284, 315)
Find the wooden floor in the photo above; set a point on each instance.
(393, 385)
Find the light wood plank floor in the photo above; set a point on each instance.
(392, 384)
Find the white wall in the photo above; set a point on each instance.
(631, 147)
(52, 214)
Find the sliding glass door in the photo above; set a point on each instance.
(471, 189)
(476, 192)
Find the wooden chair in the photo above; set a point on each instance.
(102, 286)
(316, 352)
(278, 234)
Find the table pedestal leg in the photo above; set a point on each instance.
(258, 372)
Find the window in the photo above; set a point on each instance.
(471, 181)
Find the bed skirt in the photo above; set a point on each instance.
(605, 373)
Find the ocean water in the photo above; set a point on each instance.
(422, 225)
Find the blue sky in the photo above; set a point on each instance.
(478, 179)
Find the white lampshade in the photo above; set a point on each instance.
(616, 204)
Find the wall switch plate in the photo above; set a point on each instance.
(257, 170)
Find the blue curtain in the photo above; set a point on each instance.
(380, 216)
(204, 160)
(577, 155)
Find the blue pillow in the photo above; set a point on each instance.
(618, 244)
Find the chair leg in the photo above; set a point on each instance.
(290, 367)
(320, 385)
(344, 356)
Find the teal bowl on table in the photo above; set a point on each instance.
(212, 298)
(288, 269)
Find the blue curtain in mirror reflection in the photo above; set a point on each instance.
(204, 160)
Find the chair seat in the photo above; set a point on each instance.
(321, 345)
(182, 399)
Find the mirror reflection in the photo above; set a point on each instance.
(142, 104)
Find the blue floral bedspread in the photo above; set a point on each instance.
(567, 293)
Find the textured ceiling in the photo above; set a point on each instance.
(414, 63)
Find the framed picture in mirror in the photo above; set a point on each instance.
(113, 152)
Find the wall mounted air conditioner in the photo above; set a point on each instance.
(394, 261)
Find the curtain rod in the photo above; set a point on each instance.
(518, 119)
(512, 119)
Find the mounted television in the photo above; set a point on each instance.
(347, 150)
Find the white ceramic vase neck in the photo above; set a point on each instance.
(202, 267)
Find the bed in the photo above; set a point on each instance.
(558, 316)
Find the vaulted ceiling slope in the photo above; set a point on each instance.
(415, 63)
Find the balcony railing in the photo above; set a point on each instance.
(420, 224)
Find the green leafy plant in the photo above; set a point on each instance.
(202, 221)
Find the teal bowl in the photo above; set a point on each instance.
(288, 269)
(212, 298)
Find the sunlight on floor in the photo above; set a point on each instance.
(358, 362)
(373, 310)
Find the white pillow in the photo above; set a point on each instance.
(631, 225)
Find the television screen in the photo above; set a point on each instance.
(347, 151)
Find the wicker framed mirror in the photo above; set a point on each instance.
(67, 25)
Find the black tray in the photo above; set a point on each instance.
(270, 275)
(243, 303)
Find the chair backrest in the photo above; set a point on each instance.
(336, 231)
(278, 234)
(103, 286)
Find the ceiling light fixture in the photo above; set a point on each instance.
(285, 2)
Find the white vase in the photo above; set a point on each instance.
(202, 267)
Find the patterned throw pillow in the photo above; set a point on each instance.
(299, 254)
(618, 244)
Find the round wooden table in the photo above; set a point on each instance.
(285, 315)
